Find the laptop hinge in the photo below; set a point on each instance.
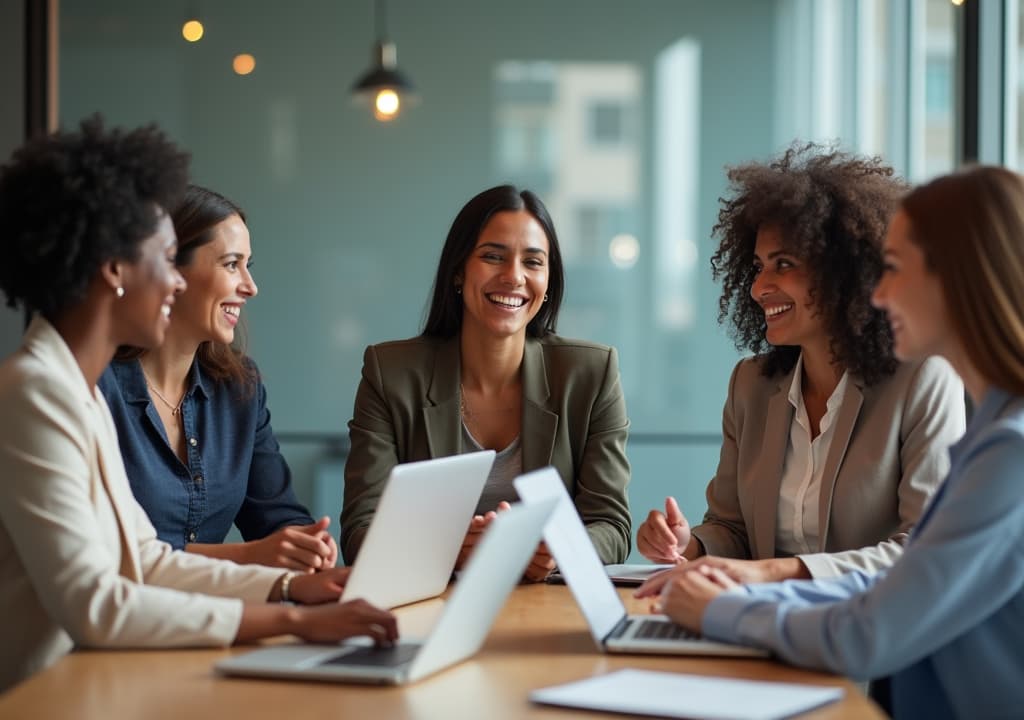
(620, 628)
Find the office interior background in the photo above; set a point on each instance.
(621, 116)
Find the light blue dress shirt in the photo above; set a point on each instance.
(946, 622)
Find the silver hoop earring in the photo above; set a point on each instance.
(458, 289)
(545, 297)
(119, 291)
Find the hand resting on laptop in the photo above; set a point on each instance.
(541, 565)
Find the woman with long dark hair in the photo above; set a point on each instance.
(488, 371)
(192, 413)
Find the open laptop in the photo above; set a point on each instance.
(493, 570)
(613, 629)
(410, 550)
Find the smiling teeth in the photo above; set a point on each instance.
(165, 310)
(232, 310)
(507, 300)
(776, 310)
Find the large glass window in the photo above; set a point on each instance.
(624, 130)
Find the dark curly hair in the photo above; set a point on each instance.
(71, 201)
(833, 210)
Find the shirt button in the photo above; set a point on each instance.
(193, 442)
(191, 537)
(198, 479)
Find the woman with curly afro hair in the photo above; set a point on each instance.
(831, 447)
(87, 244)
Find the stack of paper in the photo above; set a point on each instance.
(673, 695)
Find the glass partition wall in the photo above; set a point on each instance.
(621, 116)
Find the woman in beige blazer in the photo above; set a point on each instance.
(86, 243)
(489, 372)
(831, 448)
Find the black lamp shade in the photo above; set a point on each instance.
(380, 77)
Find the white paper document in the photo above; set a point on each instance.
(633, 574)
(673, 695)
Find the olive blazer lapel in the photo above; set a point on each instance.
(442, 416)
(537, 434)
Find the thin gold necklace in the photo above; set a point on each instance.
(175, 409)
(468, 414)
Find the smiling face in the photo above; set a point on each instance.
(911, 296)
(506, 276)
(150, 284)
(219, 284)
(782, 289)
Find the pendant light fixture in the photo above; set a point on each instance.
(383, 87)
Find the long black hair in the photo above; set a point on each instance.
(445, 317)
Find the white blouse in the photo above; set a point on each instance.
(796, 524)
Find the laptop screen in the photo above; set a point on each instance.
(575, 554)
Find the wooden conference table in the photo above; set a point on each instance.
(539, 639)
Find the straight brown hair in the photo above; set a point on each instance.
(970, 227)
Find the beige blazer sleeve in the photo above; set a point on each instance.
(930, 418)
(79, 560)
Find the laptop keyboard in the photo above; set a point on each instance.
(376, 656)
(661, 630)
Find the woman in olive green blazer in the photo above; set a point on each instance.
(488, 371)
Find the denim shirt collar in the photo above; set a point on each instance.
(133, 381)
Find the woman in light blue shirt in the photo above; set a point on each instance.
(946, 623)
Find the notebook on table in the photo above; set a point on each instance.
(672, 695)
(613, 629)
(626, 575)
(410, 550)
(493, 570)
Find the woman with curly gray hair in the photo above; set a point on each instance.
(831, 447)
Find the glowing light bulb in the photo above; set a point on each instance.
(386, 105)
(243, 64)
(192, 30)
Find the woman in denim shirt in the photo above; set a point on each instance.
(192, 415)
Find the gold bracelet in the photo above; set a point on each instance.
(286, 581)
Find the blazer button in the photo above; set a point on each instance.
(191, 537)
(193, 442)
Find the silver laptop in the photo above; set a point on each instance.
(413, 542)
(493, 570)
(613, 629)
